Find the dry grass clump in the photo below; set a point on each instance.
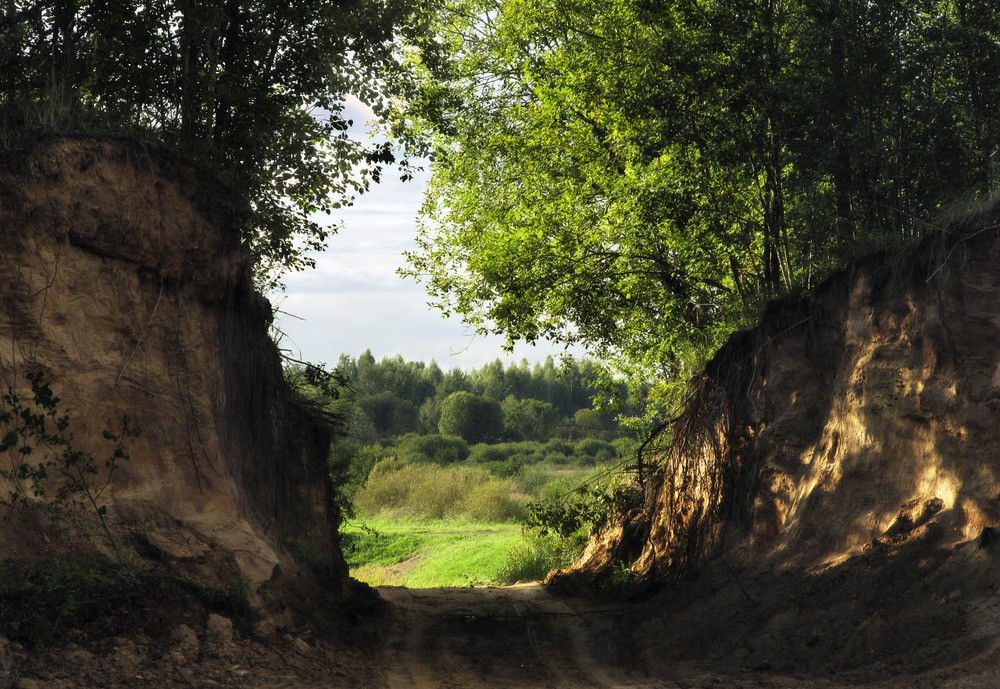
(430, 491)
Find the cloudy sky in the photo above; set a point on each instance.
(353, 300)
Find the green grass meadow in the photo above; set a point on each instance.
(423, 525)
(384, 551)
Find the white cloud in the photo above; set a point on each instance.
(320, 326)
(354, 300)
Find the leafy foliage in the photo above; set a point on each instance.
(39, 601)
(254, 89)
(441, 449)
(582, 511)
(41, 452)
(471, 417)
(637, 177)
(528, 419)
(536, 556)
(429, 491)
(537, 402)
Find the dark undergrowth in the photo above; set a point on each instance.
(42, 602)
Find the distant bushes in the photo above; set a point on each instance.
(430, 491)
(508, 459)
(500, 459)
(438, 476)
(441, 449)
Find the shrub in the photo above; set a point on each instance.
(438, 492)
(532, 479)
(556, 446)
(492, 502)
(389, 414)
(428, 491)
(441, 449)
(528, 419)
(557, 458)
(536, 557)
(625, 447)
(557, 488)
(591, 446)
(508, 468)
(530, 451)
(504, 460)
(385, 489)
(605, 456)
(349, 466)
(483, 453)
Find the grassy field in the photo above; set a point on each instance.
(425, 554)
(423, 525)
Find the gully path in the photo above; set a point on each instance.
(501, 638)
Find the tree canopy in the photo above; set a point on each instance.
(638, 176)
(254, 89)
(391, 397)
(473, 418)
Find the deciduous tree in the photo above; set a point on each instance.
(254, 89)
(471, 417)
(637, 177)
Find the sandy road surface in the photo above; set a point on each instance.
(522, 636)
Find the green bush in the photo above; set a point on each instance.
(472, 417)
(605, 456)
(528, 419)
(492, 502)
(582, 509)
(537, 556)
(505, 460)
(441, 449)
(557, 458)
(385, 488)
(531, 452)
(484, 453)
(509, 468)
(532, 479)
(592, 446)
(438, 492)
(349, 466)
(558, 487)
(558, 446)
(625, 447)
(389, 414)
(429, 491)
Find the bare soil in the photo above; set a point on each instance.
(831, 518)
(723, 629)
(521, 636)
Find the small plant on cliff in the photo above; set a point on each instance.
(42, 454)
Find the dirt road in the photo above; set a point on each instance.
(522, 636)
(526, 638)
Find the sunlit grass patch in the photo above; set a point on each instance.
(426, 554)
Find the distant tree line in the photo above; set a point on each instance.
(496, 403)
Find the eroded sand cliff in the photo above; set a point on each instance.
(122, 281)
